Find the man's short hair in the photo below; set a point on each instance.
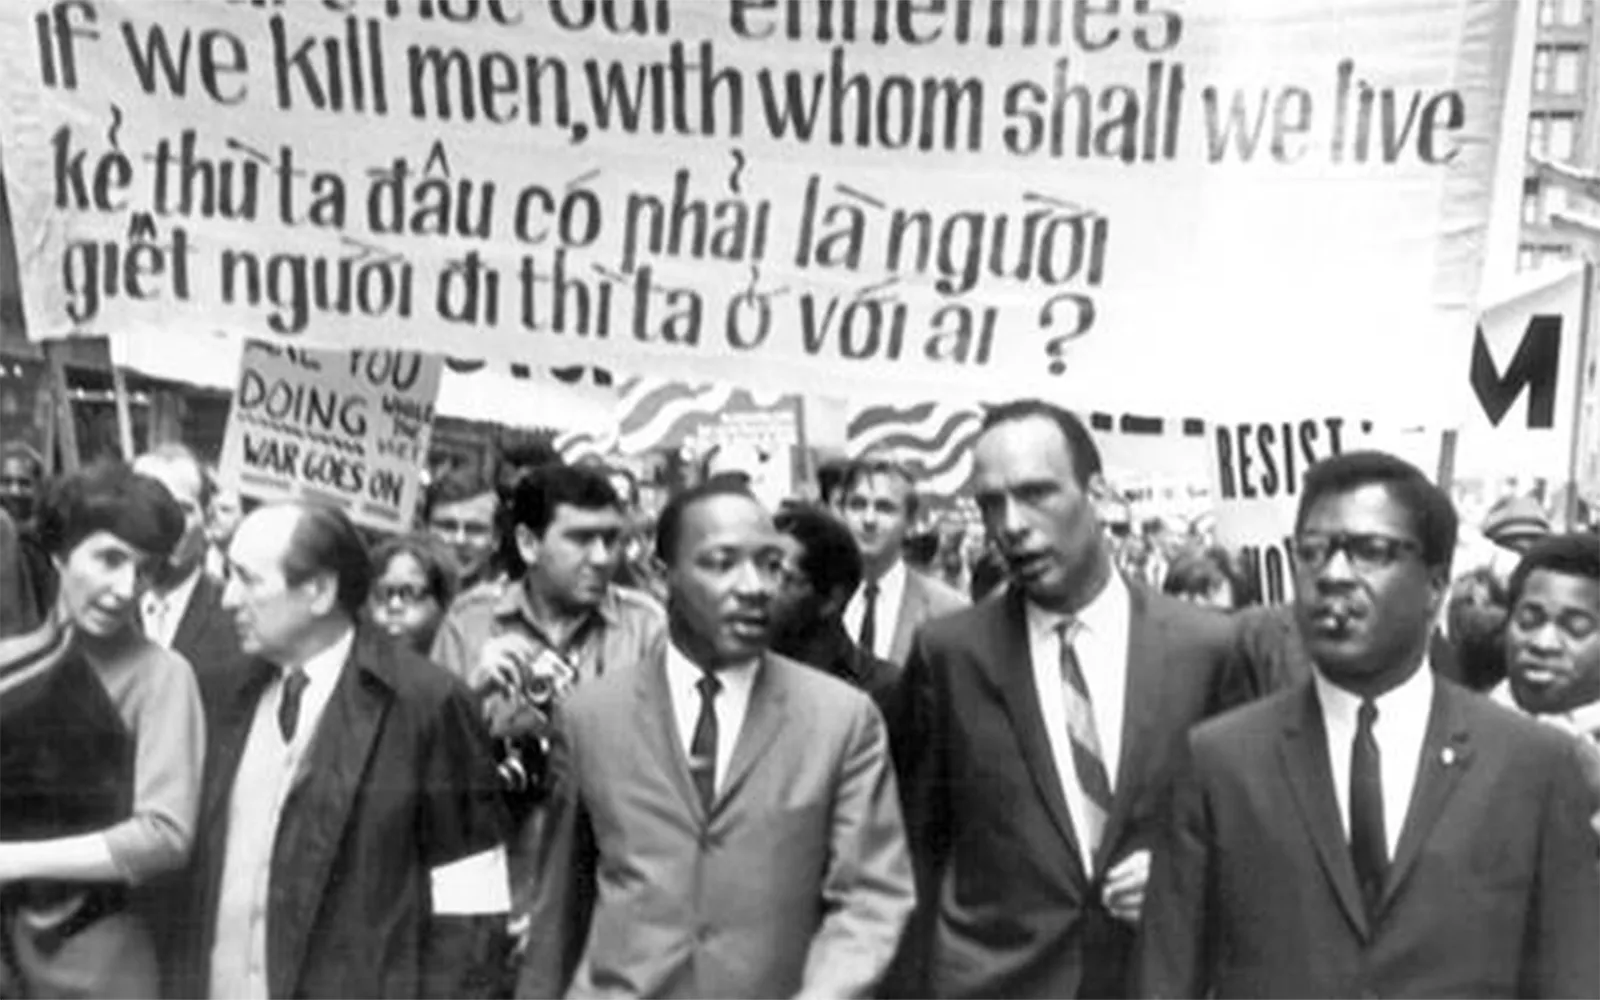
(867, 466)
(669, 523)
(26, 452)
(457, 485)
(828, 552)
(541, 490)
(1432, 515)
(1080, 443)
(109, 496)
(174, 451)
(1570, 554)
(324, 540)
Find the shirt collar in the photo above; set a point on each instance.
(513, 602)
(683, 673)
(1100, 617)
(1412, 699)
(1583, 720)
(325, 666)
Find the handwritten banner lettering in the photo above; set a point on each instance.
(1200, 206)
(350, 428)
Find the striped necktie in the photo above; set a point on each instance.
(1087, 759)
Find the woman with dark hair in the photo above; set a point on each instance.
(102, 745)
(413, 582)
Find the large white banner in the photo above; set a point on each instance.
(1218, 207)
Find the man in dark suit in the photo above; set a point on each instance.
(1375, 830)
(1034, 734)
(723, 821)
(878, 501)
(182, 609)
(352, 832)
(822, 568)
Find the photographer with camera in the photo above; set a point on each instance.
(524, 645)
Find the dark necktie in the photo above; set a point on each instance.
(294, 686)
(1368, 845)
(869, 617)
(703, 745)
(1087, 758)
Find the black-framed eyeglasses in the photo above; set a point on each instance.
(1367, 552)
(405, 593)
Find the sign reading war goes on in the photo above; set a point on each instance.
(1077, 198)
(349, 428)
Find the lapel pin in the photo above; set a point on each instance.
(1447, 756)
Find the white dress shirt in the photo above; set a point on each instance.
(1400, 730)
(731, 704)
(886, 612)
(162, 612)
(267, 771)
(1101, 646)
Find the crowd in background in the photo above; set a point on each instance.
(211, 632)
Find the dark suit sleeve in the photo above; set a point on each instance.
(463, 829)
(565, 859)
(1173, 959)
(1561, 947)
(917, 743)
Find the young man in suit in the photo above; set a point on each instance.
(878, 501)
(182, 610)
(352, 832)
(723, 821)
(1375, 830)
(1035, 734)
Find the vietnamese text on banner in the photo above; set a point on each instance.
(1238, 203)
(348, 428)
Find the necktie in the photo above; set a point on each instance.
(703, 745)
(294, 686)
(1087, 759)
(1368, 845)
(869, 618)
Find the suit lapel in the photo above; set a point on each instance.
(1011, 669)
(658, 725)
(763, 721)
(1147, 634)
(1303, 751)
(318, 809)
(1446, 755)
(232, 731)
(906, 621)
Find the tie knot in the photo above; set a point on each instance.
(1367, 714)
(1068, 630)
(708, 684)
(295, 681)
(872, 590)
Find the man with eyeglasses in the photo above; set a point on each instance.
(1375, 831)
(461, 515)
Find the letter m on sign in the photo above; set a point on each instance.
(1536, 365)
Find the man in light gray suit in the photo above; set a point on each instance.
(723, 821)
(878, 501)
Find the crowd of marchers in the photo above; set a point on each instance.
(541, 748)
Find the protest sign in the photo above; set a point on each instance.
(350, 428)
(1258, 468)
(1204, 207)
(1524, 376)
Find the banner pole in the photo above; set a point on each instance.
(1585, 331)
(119, 391)
(66, 429)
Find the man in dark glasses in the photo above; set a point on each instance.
(1374, 830)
